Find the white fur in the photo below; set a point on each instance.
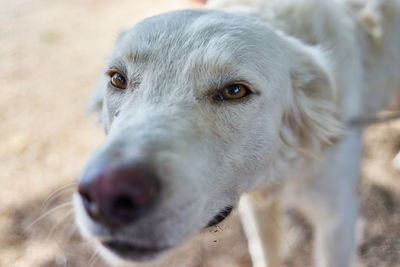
(316, 64)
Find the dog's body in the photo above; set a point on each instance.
(316, 68)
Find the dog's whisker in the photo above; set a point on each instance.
(72, 228)
(68, 214)
(54, 195)
(67, 204)
(94, 258)
(57, 190)
(87, 242)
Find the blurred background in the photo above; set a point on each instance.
(51, 54)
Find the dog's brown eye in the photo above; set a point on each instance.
(232, 92)
(118, 81)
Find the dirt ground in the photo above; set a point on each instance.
(51, 54)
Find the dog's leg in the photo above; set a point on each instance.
(332, 203)
(395, 104)
(396, 162)
(261, 223)
(335, 237)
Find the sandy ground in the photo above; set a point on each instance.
(51, 54)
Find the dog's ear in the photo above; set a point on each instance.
(311, 123)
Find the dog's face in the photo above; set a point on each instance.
(195, 105)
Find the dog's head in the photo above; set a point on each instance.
(197, 107)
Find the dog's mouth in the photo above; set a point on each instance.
(220, 216)
(133, 252)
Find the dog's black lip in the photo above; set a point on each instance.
(220, 216)
(132, 251)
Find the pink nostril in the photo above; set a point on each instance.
(117, 195)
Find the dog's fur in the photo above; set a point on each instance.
(315, 64)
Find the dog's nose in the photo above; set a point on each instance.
(115, 195)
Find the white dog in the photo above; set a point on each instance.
(201, 107)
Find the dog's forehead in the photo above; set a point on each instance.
(197, 49)
(183, 31)
(189, 36)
